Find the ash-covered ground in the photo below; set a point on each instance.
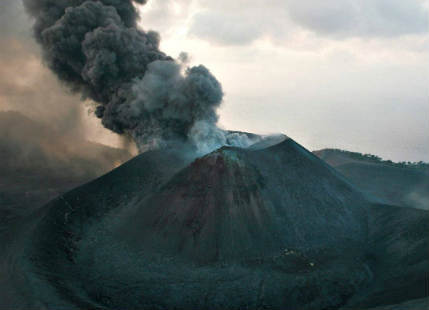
(271, 226)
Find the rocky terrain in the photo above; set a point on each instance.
(268, 227)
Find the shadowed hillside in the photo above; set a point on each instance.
(402, 184)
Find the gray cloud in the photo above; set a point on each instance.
(164, 16)
(225, 29)
(229, 24)
(240, 23)
(365, 18)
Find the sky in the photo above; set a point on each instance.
(349, 74)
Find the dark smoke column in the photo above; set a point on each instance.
(96, 49)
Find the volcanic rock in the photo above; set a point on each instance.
(268, 227)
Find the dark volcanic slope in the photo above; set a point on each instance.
(234, 203)
(403, 185)
(268, 227)
(398, 254)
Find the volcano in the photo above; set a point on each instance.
(271, 226)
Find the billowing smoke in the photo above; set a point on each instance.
(96, 49)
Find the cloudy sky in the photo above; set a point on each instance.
(349, 74)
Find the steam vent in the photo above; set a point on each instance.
(266, 227)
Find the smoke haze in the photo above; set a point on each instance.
(25, 85)
(96, 49)
(43, 144)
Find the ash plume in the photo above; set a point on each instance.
(96, 48)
